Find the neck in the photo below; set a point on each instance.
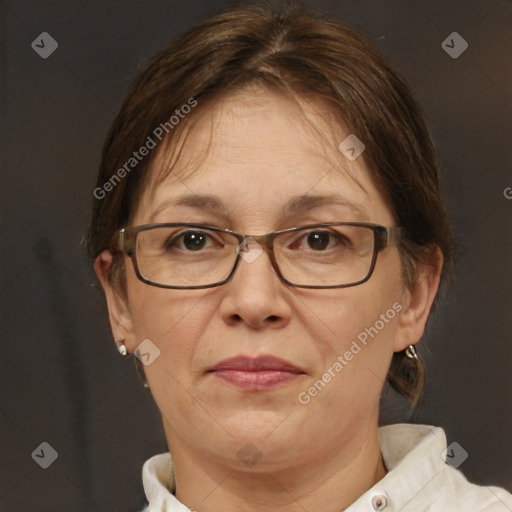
(330, 481)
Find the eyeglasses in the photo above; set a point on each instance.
(190, 256)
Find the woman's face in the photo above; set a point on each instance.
(262, 156)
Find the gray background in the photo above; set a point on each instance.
(62, 380)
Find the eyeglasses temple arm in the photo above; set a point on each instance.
(393, 235)
(122, 240)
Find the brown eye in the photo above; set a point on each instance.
(318, 240)
(188, 241)
(194, 240)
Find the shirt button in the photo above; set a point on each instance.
(379, 502)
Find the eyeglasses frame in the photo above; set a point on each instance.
(383, 237)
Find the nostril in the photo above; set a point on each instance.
(273, 318)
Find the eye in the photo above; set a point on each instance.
(318, 240)
(189, 241)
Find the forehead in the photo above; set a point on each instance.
(257, 152)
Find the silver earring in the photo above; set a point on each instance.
(411, 353)
(121, 348)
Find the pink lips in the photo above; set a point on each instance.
(260, 374)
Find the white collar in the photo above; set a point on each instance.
(414, 458)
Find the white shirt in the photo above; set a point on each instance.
(418, 478)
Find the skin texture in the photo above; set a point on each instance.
(320, 456)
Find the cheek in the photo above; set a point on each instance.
(172, 319)
(356, 333)
(350, 314)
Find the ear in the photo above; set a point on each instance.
(417, 303)
(118, 311)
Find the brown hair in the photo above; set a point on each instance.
(300, 52)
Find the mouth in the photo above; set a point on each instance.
(256, 374)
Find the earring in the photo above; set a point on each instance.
(411, 353)
(121, 348)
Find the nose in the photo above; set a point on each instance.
(255, 295)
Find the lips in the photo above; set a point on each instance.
(256, 374)
(261, 363)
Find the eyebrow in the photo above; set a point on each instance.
(293, 207)
(308, 202)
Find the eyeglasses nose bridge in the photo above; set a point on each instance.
(264, 241)
(266, 244)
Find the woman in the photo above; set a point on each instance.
(270, 234)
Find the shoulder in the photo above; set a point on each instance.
(454, 492)
(421, 476)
